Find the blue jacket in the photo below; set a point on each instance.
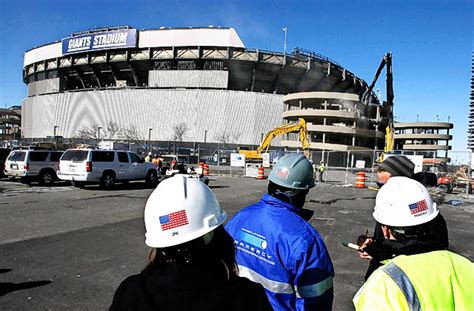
(283, 252)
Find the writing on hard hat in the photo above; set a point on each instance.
(293, 171)
(404, 202)
(179, 210)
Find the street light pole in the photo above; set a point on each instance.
(149, 139)
(54, 130)
(98, 133)
(205, 135)
(285, 30)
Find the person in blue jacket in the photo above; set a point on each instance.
(278, 248)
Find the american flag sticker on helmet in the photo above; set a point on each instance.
(418, 208)
(282, 173)
(174, 220)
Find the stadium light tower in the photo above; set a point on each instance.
(285, 30)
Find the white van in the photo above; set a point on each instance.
(33, 165)
(88, 166)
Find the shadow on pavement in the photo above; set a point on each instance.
(218, 187)
(6, 288)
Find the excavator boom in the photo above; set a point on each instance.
(278, 131)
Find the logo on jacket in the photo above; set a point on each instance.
(253, 244)
(418, 208)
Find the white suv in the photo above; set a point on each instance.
(86, 166)
(33, 165)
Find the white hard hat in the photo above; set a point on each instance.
(179, 210)
(404, 202)
(149, 153)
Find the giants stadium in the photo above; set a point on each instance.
(151, 81)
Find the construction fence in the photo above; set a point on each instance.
(342, 167)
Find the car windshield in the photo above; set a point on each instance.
(74, 155)
(17, 156)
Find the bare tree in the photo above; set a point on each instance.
(92, 132)
(112, 129)
(88, 132)
(132, 135)
(235, 137)
(179, 131)
(222, 137)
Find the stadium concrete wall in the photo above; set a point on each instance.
(242, 115)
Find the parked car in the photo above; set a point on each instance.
(4, 152)
(33, 165)
(106, 167)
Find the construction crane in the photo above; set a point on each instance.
(387, 105)
(299, 126)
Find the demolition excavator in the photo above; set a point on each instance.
(387, 106)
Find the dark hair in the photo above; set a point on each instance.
(423, 232)
(293, 196)
(219, 251)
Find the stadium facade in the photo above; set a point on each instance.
(470, 141)
(151, 81)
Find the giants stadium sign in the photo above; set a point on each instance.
(100, 41)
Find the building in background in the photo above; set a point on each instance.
(10, 121)
(201, 82)
(430, 139)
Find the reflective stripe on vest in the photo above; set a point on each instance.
(273, 286)
(314, 290)
(405, 285)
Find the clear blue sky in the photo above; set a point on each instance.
(431, 41)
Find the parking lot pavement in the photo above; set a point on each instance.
(83, 242)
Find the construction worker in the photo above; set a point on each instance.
(396, 165)
(382, 249)
(278, 248)
(156, 160)
(191, 264)
(422, 279)
(321, 169)
(148, 157)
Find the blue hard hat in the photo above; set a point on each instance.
(293, 171)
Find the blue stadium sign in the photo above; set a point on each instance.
(124, 38)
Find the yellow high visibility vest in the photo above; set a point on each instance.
(439, 280)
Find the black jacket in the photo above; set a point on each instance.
(383, 249)
(186, 287)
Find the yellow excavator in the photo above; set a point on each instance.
(300, 126)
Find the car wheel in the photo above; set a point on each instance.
(107, 181)
(151, 179)
(46, 178)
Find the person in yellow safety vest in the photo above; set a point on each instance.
(425, 280)
(321, 170)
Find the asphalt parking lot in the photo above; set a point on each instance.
(67, 248)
